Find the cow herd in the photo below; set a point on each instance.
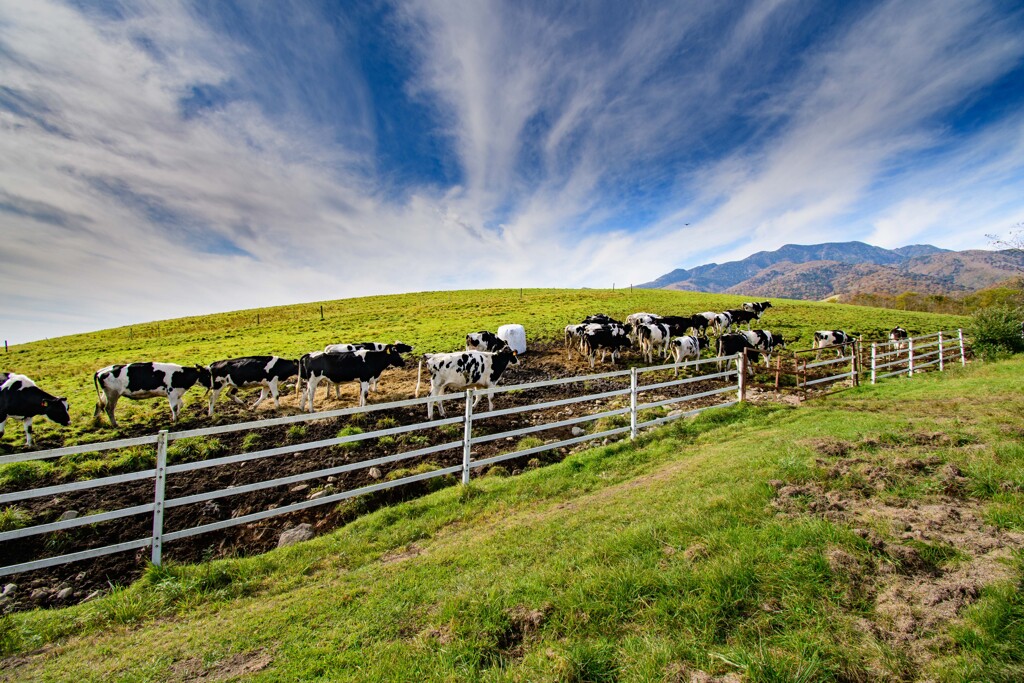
(479, 366)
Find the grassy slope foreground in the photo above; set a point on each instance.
(873, 535)
(431, 321)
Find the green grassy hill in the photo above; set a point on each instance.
(431, 321)
(873, 535)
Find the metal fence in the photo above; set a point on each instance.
(158, 474)
(809, 368)
(915, 355)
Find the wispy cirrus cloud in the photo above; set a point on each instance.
(170, 158)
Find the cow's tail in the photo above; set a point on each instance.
(96, 383)
(419, 374)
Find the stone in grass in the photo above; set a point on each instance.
(302, 532)
(70, 514)
(65, 593)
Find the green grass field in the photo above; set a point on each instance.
(872, 535)
(431, 321)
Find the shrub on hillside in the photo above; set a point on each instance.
(997, 331)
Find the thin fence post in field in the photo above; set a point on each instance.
(855, 352)
(942, 364)
(467, 436)
(963, 356)
(910, 372)
(741, 366)
(321, 312)
(257, 319)
(158, 495)
(874, 352)
(778, 371)
(6, 350)
(632, 403)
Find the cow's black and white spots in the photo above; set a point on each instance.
(653, 336)
(484, 341)
(464, 370)
(757, 307)
(826, 338)
(21, 399)
(604, 338)
(361, 346)
(722, 322)
(765, 340)
(739, 316)
(357, 366)
(898, 338)
(139, 381)
(268, 372)
(686, 347)
(642, 318)
(732, 344)
(601, 319)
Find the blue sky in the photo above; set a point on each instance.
(166, 158)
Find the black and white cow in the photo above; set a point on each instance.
(826, 338)
(758, 307)
(653, 336)
(738, 316)
(731, 344)
(765, 340)
(21, 399)
(268, 372)
(361, 346)
(484, 341)
(604, 338)
(573, 334)
(686, 347)
(642, 318)
(679, 325)
(898, 338)
(464, 370)
(357, 366)
(722, 322)
(601, 319)
(146, 380)
(699, 323)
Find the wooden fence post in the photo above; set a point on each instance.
(963, 356)
(778, 372)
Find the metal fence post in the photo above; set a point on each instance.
(910, 360)
(874, 353)
(632, 402)
(941, 363)
(854, 369)
(963, 356)
(741, 366)
(158, 496)
(467, 436)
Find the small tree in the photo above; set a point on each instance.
(997, 331)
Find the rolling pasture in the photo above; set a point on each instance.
(430, 321)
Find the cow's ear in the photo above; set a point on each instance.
(44, 403)
(389, 348)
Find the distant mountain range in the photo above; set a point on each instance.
(843, 269)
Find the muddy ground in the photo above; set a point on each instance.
(85, 578)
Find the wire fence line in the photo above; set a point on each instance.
(158, 474)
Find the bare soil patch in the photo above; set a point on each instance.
(193, 670)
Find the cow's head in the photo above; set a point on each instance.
(702, 342)
(402, 348)
(508, 354)
(394, 356)
(779, 341)
(57, 410)
(203, 376)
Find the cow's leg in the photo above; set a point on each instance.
(214, 393)
(233, 395)
(3, 425)
(593, 356)
(28, 430)
(174, 398)
(364, 388)
(490, 402)
(311, 384)
(109, 405)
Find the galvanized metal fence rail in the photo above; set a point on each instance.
(159, 473)
(917, 354)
